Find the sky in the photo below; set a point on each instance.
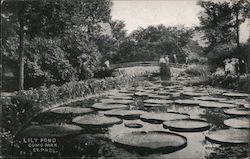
(142, 13)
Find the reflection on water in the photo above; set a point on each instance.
(97, 142)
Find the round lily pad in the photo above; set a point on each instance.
(158, 118)
(102, 106)
(150, 105)
(133, 125)
(210, 98)
(94, 120)
(237, 111)
(141, 94)
(155, 96)
(158, 101)
(229, 136)
(186, 125)
(240, 95)
(238, 122)
(187, 102)
(195, 94)
(216, 105)
(112, 101)
(126, 91)
(164, 93)
(146, 143)
(125, 114)
(176, 94)
(247, 105)
(51, 130)
(71, 110)
(121, 97)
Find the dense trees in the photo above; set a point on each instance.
(150, 43)
(52, 41)
(220, 22)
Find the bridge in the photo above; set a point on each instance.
(143, 63)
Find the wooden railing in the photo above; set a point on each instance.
(143, 63)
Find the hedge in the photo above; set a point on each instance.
(26, 104)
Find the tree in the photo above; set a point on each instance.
(53, 20)
(118, 30)
(240, 11)
(154, 41)
(17, 13)
(220, 21)
(216, 22)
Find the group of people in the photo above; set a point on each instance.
(234, 66)
(166, 59)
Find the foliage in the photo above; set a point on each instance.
(48, 60)
(220, 20)
(49, 67)
(154, 41)
(28, 103)
(198, 70)
(220, 52)
(220, 79)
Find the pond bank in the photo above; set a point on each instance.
(24, 105)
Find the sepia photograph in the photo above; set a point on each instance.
(167, 79)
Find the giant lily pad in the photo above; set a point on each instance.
(186, 125)
(216, 105)
(155, 96)
(126, 114)
(229, 136)
(151, 105)
(126, 91)
(102, 106)
(206, 98)
(146, 143)
(51, 130)
(71, 110)
(163, 93)
(94, 120)
(247, 105)
(195, 94)
(158, 101)
(133, 125)
(187, 102)
(238, 122)
(239, 95)
(142, 94)
(112, 101)
(158, 118)
(121, 97)
(237, 111)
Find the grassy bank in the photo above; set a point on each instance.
(19, 109)
(201, 75)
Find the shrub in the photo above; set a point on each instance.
(231, 82)
(103, 72)
(26, 104)
(198, 70)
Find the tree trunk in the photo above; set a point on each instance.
(237, 31)
(21, 54)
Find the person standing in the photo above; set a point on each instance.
(164, 69)
(175, 59)
(186, 60)
(167, 59)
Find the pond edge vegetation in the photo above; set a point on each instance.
(26, 104)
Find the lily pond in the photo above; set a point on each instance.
(157, 120)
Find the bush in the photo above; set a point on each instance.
(103, 72)
(26, 104)
(198, 70)
(220, 79)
